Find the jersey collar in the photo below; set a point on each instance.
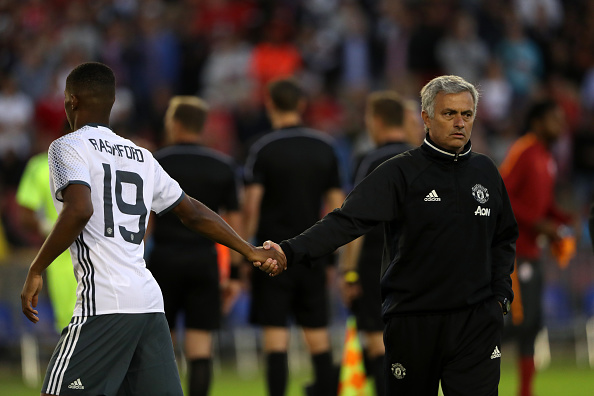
(445, 155)
(95, 125)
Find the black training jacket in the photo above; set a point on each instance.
(449, 227)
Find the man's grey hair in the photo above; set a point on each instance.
(447, 85)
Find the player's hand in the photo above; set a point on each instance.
(271, 261)
(29, 295)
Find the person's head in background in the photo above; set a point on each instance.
(185, 118)
(546, 120)
(385, 114)
(285, 103)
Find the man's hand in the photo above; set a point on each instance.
(29, 295)
(271, 261)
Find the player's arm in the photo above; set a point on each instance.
(199, 218)
(76, 212)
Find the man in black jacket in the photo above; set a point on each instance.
(450, 243)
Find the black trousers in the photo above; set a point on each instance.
(461, 349)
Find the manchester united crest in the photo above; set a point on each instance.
(398, 370)
(480, 193)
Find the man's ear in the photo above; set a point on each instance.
(426, 119)
(74, 102)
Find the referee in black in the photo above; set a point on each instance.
(184, 263)
(385, 116)
(449, 251)
(291, 177)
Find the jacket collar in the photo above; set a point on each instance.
(442, 154)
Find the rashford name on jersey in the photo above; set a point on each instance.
(118, 149)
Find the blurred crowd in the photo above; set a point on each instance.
(225, 51)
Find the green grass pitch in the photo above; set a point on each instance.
(561, 378)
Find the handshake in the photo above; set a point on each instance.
(272, 261)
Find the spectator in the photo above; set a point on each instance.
(521, 61)
(462, 42)
(15, 119)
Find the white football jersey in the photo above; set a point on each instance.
(126, 183)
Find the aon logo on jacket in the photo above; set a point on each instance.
(482, 211)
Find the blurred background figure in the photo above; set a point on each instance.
(185, 264)
(385, 118)
(529, 173)
(37, 216)
(463, 42)
(281, 199)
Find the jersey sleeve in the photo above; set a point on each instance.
(167, 192)
(67, 165)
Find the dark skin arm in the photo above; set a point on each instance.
(198, 217)
(77, 211)
(75, 214)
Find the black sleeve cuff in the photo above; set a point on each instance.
(288, 252)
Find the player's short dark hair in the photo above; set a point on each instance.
(93, 78)
(285, 94)
(539, 109)
(387, 106)
(190, 111)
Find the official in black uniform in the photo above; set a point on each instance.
(184, 263)
(450, 243)
(290, 173)
(385, 116)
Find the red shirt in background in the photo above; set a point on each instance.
(529, 173)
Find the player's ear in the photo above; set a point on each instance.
(74, 102)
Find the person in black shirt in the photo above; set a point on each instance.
(449, 250)
(385, 116)
(184, 263)
(289, 173)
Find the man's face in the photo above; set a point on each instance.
(553, 124)
(451, 125)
